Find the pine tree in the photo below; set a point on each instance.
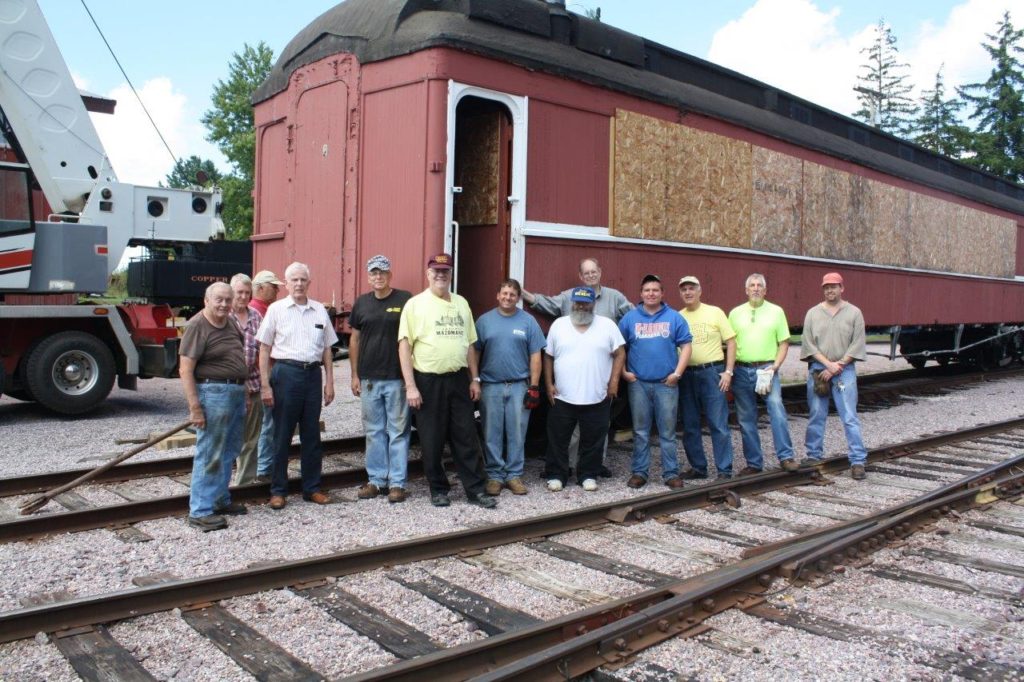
(882, 87)
(937, 126)
(998, 143)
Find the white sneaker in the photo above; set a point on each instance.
(554, 485)
(589, 484)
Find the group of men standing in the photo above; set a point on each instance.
(253, 368)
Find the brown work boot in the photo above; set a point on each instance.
(516, 485)
(396, 495)
(857, 472)
(277, 502)
(749, 471)
(675, 483)
(317, 498)
(368, 491)
(789, 465)
(636, 481)
(493, 488)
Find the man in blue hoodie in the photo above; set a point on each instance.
(657, 351)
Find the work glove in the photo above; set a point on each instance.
(532, 398)
(764, 381)
(822, 386)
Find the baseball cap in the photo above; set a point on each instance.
(650, 278)
(266, 277)
(442, 261)
(689, 279)
(832, 278)
(583, 295)
(378, 263)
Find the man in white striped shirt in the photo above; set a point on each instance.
(297, 334)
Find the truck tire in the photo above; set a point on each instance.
(70, 372)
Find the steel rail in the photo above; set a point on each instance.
(578, 643)
(35, 483)
(110, 607)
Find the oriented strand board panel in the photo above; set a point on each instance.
(675, 183)
(477, 158)
(777, 204)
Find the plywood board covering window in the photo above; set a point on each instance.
(476, 167)
(676, 183)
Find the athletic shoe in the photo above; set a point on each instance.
(589, 484)
(485, 501)
(208, 523)
(554, 485)
(233, 509)
(440, 500)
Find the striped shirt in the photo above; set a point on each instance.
(297, 332)
(252, 347)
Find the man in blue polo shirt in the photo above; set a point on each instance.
(510, 342)
(657, 351)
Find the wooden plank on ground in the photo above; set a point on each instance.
(932, 613)
(539, 580)
(254, 653)
(997, 543)
(97, 657)
(956, 663)
(962, 460)
(72, 501)
(396, 636)
(904, 472)
(997, 527)
(807, 509)
(661, 546)
(716, 534)
(827, 498)
(968, 561)
(944, 583)
(762, 520)
(601, 563)
(493, 617)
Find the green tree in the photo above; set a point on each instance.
(186, 172)
(882, 88)
(230, 126)
(937, 126)
(998, 143)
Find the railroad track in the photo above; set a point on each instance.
(793, 526)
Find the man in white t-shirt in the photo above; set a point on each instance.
(582, 364)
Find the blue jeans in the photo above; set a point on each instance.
(699, 392)
(266, 448)
(653, 402)
(844, 395)
(743, 383)
(297, 400)
(217, 446)
(386, 422)
(504, 420)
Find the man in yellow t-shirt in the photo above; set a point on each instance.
(436, 334)
(762, 342)
(706, 382)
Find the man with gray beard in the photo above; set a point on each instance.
(582, 364)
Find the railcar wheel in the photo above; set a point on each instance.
(917, 362)
(70, 372)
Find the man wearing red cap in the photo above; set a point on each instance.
(439, 365)
(833, 340)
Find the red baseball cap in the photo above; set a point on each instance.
(832, 278)
(442, 261)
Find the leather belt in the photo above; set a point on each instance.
(758, 363)
(706, 365)
(300, 364)
(233, 382)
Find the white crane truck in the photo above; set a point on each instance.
(55, 350)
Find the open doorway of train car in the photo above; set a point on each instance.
(482, 194)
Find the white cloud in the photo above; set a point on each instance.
(135, 150)
(796, 46)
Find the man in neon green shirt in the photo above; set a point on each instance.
(762, 341)
(436, 334)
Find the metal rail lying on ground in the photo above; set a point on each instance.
(128, 603)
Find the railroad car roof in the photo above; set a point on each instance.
(546, 37)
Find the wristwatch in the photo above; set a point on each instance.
(728, 371)
(476, 379)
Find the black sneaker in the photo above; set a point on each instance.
(233, 509)
(604, 472)
(724, 477)
(208, 523)
(692, 474)
(440, 500)
(485, 501)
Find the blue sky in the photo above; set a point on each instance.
(174, 52)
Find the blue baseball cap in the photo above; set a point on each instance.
(583, 295)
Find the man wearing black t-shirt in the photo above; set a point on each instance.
(377, 380)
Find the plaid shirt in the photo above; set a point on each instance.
(252, 348)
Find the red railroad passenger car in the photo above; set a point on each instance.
(522, 137)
